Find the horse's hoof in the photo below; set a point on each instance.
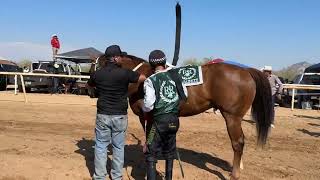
(233, 178)
(241, 165)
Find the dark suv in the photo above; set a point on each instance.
(302, 95)
(7, 66)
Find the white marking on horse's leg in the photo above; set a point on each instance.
(241, 164)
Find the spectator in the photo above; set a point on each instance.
(55, 45)
(111, 83)
(26, 69)
(274, 82)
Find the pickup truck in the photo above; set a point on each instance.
(301, 95)
(45, 67)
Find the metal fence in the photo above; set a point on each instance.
(16, 74)
(299, 86)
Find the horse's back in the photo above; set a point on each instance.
(224, 87)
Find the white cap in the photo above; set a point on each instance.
(267, 68)
(53, 35)
(56, 65)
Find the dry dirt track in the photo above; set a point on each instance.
(52, 137)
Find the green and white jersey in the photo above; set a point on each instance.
(161, 94)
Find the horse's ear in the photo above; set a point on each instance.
(128, 57)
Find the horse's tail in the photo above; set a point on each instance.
(262, 107)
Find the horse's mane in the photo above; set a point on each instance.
(135, 58)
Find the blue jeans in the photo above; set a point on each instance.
(109, 129)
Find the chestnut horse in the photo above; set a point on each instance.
(231, 89)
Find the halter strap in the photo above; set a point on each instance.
(138, 66)
(95, 65)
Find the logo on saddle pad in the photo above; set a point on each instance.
(188, 73)
(168, 92)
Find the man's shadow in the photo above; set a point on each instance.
(134, 159)
(86, 149)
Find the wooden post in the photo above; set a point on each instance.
(15, 84)
(292, 100)
(24, 89)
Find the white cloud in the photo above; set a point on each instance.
(16, 51)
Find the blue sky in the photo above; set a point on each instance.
(253, 32)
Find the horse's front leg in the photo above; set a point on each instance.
(136, 107)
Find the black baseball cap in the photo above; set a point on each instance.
(114, 50)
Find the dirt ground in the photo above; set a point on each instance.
(51, 137)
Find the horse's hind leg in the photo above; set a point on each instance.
(237, 140)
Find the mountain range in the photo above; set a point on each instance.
(291, 71)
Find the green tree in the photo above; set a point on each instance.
(206, 60)
(191, 61)
(287, 74)
(24, 63)
(85, 68)
(196, 62)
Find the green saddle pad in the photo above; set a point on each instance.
(190, 75)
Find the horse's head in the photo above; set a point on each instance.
(136, 64)
(129, 62)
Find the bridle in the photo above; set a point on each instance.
(138, 66)
(134, 69)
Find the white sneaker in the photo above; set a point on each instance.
(272, 125)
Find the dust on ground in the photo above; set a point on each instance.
(52, 137)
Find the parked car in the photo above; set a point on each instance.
(45, 67)
(7, 66)
(301, 95)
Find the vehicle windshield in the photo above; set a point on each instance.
(296, 80)
(10, 68)
(49, 67)
(35, 65)
(311, 79)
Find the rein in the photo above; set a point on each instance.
(134, 69)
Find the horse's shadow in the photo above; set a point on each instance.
(313, 124)
(310, 133)
(134, 159)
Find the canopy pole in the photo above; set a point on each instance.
(24, 89)
(15, 84)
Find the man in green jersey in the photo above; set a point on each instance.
(161, 99)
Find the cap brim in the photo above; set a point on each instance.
(121, 54)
